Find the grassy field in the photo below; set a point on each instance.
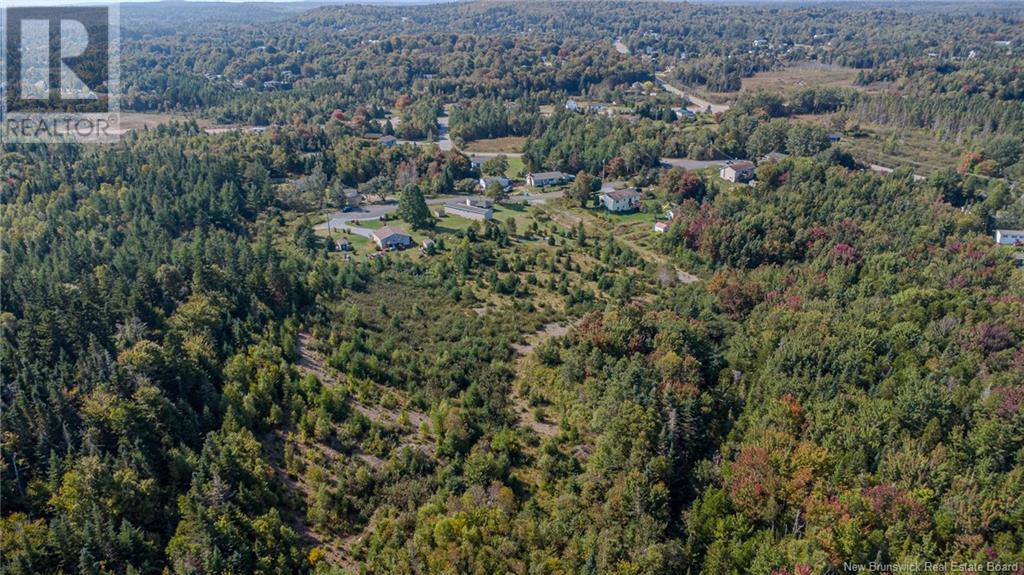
(515, 168)
(511, 144)
(791, 79)
(894, 147)
(139, 120)
(797, 77)
(372, 224)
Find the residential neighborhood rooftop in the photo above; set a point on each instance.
(469, 208)
(549, 175)
(389, 231)
(623, 194)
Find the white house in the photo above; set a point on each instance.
(391, 237)
(661, 227)
(542, 179)
(1010, 237)
(737, 171)
(505, 183)
(621, 200)
(469, 211)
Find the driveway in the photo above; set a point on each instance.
(343, 220)
(689, 164)
(350, 220)
(443, 141)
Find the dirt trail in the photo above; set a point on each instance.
(527, 416)
(337, 549)
(550, 330)
(311, 361)
(334, 547)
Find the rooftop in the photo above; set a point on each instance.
(388, 231)
(549, 175)
(623, 194)
(466, 208)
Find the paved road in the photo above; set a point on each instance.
(443, 141)
(689, 164)
(349, 220)
(342, 220)
(697, 104)
(886, 171)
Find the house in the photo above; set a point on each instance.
(427, 244)
(737, 171)
(571, 105)
(476, 162)
(621, 200)
(542, 179)
(388, 141)
(390, 237)
(469, 211)
(685, 114)
(661, 227)
(505, 183)
(1010, 237)
(343, 245)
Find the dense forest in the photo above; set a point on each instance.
(819, 370)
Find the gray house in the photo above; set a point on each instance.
(469, 210)
(390, 237)
(542, 179)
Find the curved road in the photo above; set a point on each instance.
(697, 104)
(349, 220)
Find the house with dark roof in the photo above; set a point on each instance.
(391, 237)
